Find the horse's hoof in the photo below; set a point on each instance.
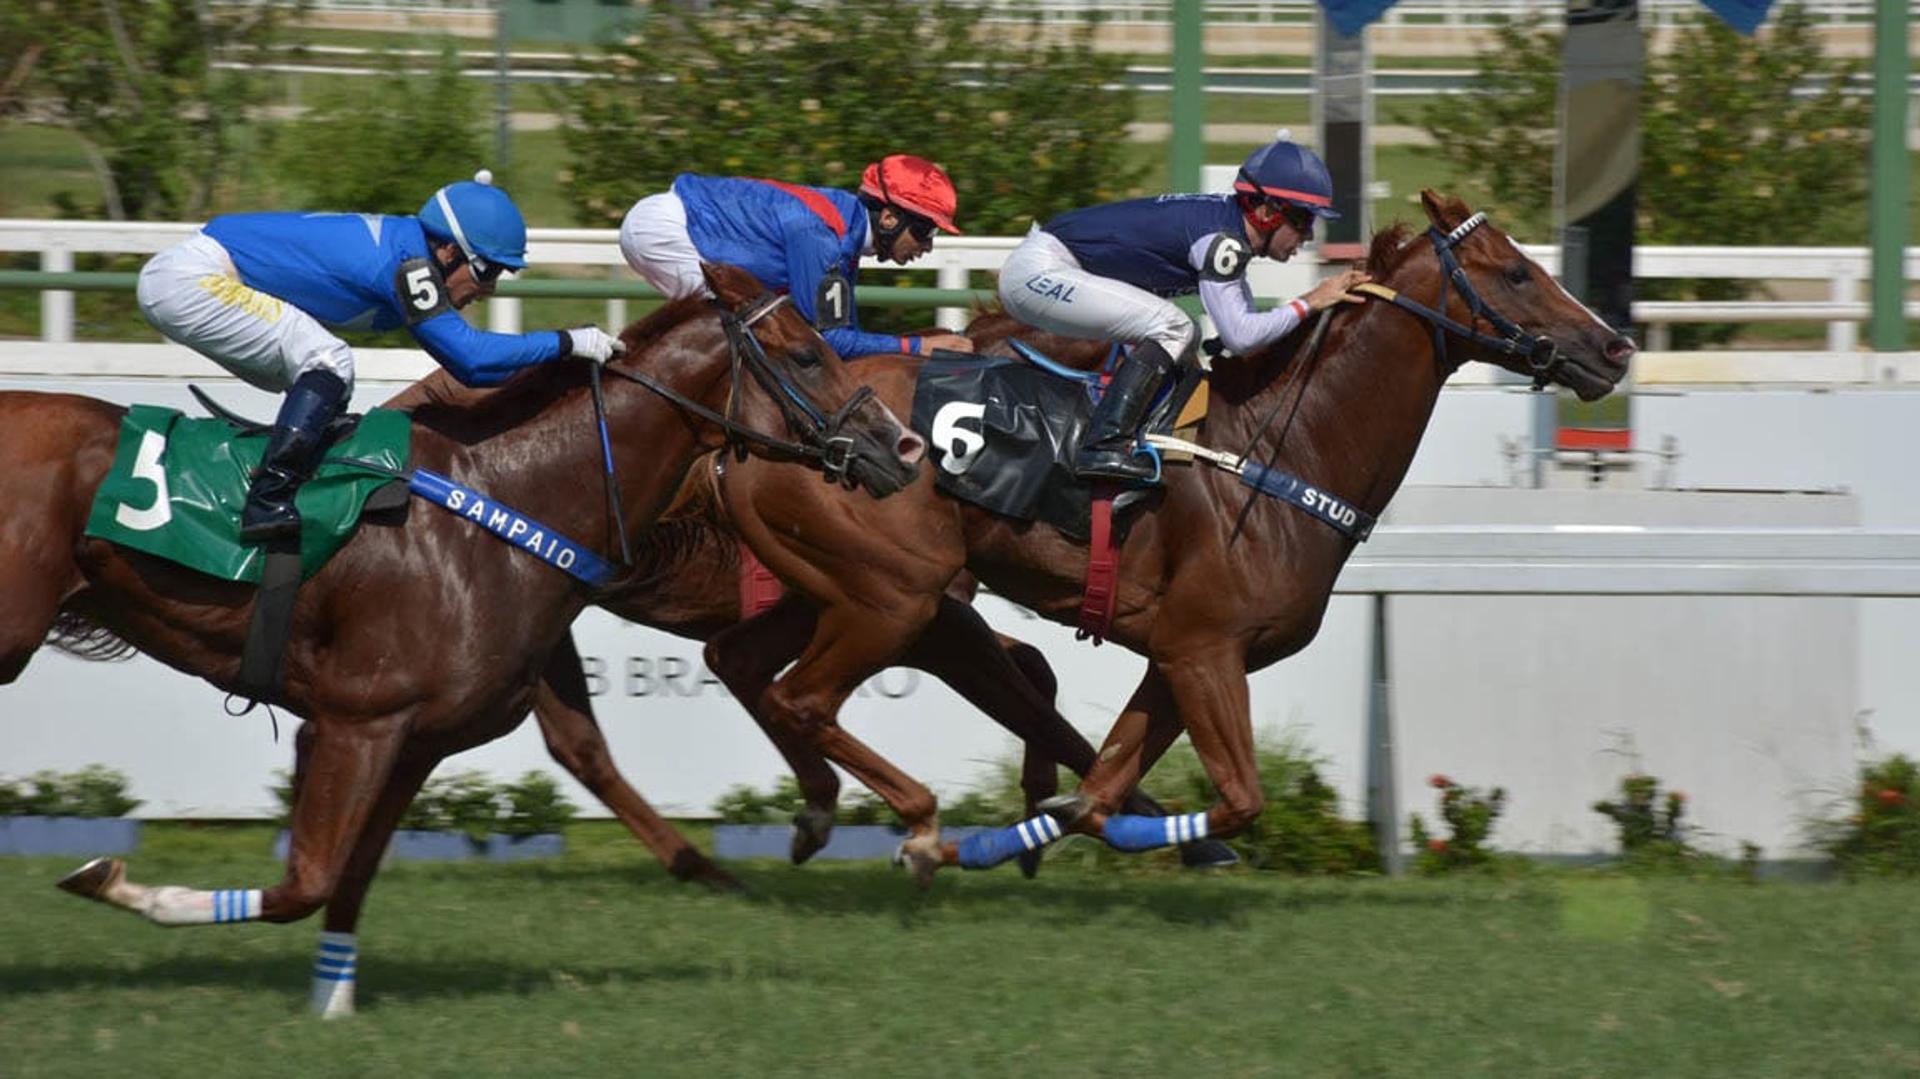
(1207, 854)
(913, 855)
(812, 827)
(91, 881)
(1030, 862)
(1067, 810)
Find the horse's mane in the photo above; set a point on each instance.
(1389, 249)
(469, 415)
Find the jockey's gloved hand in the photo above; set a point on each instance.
(593, 343)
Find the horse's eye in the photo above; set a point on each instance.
(1517, 274)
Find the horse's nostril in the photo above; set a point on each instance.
(1620, 349)
(910, 448)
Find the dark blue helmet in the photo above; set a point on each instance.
(1287, 171)
(481, 219)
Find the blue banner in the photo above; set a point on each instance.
(512, 526)
(1352, 16)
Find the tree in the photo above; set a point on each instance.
(1743, 141)
(812, 92)
(382, 143)
(137, 83)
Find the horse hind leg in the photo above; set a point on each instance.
(348, 766)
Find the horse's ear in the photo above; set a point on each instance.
(731, 285)
(1445, 211)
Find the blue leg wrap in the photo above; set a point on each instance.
(984, 850)
(1128, 832)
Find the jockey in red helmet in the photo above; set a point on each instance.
(807, 240)
(1106, 272)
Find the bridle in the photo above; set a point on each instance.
(822, 437)
(1541, 354)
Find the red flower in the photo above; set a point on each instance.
(1679, 796)
(1437, 846)
(1439, 782)
(1890, 797)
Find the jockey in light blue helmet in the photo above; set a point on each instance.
(482, 220)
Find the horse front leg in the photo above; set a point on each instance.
(1207, 693)
(746, 656)
(848, 647)
(336, 959)
(345, 770)
(564, 708)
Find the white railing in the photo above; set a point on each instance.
(1844, 270)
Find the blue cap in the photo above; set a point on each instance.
(1285, 170)
(480, 218)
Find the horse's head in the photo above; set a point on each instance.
(859, 439)
(1522, 319)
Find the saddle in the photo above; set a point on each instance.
(177, 485)
(1003, 432)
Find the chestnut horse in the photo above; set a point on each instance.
(686, 582)
(1214, 582)
(422, 638)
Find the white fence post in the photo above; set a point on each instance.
(952, 318)
(1843, 334)
(503, 314)
(56, 305)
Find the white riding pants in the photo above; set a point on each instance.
(1042, 285)
(653, 237)
(191, 293)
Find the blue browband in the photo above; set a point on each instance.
(512, 526)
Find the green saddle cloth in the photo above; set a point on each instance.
(177, 485)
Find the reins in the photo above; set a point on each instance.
(821, 439)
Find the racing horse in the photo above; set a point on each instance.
(686, 582)
(1214, 580)
(422, 638)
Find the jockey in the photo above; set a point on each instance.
(259, 294)
(807, 240)
(1105, 272)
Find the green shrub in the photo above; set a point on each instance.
(535, 806)
(470, 802)
(93, 791)
(1651, 833)
(1881, 836)
(1469, 816)
(1300, 829)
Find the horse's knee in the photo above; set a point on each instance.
(1235, 813)
(292, 902)
(1034, 666)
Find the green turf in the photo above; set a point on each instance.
(599, 965)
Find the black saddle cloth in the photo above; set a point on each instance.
(1002, 435)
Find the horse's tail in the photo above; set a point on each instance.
(83, 639)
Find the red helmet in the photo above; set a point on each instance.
(913, 184)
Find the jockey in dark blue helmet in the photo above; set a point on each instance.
(1106, 272)
(263, 294)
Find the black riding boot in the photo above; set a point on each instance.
(293, 450)
(1106, 448)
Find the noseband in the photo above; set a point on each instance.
(1541, 354)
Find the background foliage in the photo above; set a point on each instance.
(93, 791)
(136, 80)
(812, 93)
(381, 144)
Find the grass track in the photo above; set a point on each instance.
(598, 964)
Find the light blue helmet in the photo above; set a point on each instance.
(480, 218)
(1285, 170)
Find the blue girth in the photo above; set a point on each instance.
(1345, 517)
(512, 526)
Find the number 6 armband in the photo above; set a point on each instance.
(422, 291)
(1226, 258)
